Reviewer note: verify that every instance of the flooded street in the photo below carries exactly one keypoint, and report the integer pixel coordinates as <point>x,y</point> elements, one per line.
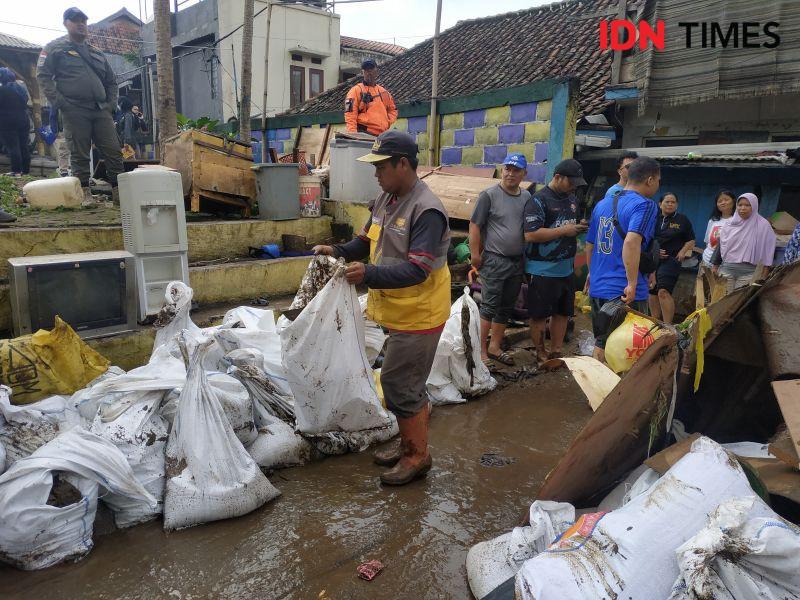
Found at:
<point>333,515</point>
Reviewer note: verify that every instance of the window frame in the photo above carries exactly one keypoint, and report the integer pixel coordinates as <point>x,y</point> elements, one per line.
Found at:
<point>302,71</point>
<point>321,74</point>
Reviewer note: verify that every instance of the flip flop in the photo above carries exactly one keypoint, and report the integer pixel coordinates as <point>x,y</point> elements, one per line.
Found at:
<point>503,358</point>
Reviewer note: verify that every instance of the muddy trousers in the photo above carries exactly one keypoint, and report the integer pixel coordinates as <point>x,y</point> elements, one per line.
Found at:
<point>82,127</point>
<point>406,366</point>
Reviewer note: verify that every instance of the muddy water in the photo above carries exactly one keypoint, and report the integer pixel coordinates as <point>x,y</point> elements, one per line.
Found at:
<point>333,515</point>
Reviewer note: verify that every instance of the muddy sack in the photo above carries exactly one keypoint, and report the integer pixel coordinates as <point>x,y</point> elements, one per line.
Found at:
<point>626,344</point>
<point>24,429</point>
<point>48,501</point>
<point>174,315</point>
<point>210,476</point>
<point>458,370</point>
<point>492,563</point>
<point>47,363</point>
<point>374,338</point>
<point>630,552</point>
<point>140,433</point>
<point>326,363</point>
<point>738,555</point>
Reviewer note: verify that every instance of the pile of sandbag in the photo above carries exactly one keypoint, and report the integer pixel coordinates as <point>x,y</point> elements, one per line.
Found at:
<point>699,531</point>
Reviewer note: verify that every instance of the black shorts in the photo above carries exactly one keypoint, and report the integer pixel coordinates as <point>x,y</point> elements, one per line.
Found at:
<point>667,275</point>
<point>548,296</point>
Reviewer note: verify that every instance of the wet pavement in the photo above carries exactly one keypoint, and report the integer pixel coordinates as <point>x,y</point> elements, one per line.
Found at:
<point>333,515</point>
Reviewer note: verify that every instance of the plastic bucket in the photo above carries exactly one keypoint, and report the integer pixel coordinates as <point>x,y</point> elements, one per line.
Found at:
<point>310,196</point>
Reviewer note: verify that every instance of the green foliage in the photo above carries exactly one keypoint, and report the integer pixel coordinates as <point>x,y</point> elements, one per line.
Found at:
<point>204,123</point>
<point>10,192</point>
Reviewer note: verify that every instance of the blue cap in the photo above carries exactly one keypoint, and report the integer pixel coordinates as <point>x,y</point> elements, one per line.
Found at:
<point>516,160</point>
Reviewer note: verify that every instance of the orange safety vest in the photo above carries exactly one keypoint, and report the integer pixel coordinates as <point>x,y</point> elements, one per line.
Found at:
<point>369,109</point>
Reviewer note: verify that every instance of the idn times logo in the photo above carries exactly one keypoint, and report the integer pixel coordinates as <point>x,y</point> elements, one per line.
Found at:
<point>621,34</point>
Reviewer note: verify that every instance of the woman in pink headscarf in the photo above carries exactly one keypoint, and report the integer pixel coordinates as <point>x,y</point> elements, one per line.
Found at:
<point>745,242</point>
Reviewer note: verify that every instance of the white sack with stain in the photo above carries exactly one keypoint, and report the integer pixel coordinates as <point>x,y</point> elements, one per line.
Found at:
<point>326,363</point>
<point>630,552</point>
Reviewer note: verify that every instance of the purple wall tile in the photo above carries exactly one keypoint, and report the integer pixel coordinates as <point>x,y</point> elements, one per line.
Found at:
<point>417,124</point>
<point>540,152</point>
<point>523,113</point>
<point>451,156</point>
<point>474,118</point>
<point>284,134</point>
<point>494,154</point>
<point>511,134</point>
<point>536,173</point>
<point>256,135</point>
<point>278,146</point>
<point>272,135</point>
<point>464,137</point>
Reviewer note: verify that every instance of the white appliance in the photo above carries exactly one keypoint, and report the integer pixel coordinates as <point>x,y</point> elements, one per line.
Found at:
<point>154,231</point>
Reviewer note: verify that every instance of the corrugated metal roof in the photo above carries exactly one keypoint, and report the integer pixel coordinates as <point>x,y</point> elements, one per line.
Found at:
<point>781,159</point>
<point>11,41</point>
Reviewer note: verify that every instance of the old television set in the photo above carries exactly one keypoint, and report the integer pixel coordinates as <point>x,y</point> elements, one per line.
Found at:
<point>95,292</point>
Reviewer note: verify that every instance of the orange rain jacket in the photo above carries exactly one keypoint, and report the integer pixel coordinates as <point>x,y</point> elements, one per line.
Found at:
<point>375,116</point>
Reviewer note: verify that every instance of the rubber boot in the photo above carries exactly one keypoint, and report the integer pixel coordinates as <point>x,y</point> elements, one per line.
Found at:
<point>388,457</point>
<point>416,460</point>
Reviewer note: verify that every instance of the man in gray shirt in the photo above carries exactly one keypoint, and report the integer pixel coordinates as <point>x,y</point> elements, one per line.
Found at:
<point>497,245</point>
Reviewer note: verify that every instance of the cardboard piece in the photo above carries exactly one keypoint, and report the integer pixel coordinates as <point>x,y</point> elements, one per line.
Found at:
<point>788,395</point>
<point>595,378</point>
<point>784,449</point>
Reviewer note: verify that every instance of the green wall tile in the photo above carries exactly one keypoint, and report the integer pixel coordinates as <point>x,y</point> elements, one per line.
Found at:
<point>485,136</point>
<point>537,131</point>
<point>543,109</point>
<point>453,121</point>
<point>447,137</point>
<point>401,124</point>
<point>471,155</point>
<point>498,115</point>
<point>525,149</point>
<point>422,140</point>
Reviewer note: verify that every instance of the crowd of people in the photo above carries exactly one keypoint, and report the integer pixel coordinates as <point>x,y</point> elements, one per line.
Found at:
<point>524,244</point>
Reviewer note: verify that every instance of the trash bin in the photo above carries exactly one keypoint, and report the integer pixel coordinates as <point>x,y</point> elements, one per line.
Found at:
<point>350,180</point>
<point>277,191</point>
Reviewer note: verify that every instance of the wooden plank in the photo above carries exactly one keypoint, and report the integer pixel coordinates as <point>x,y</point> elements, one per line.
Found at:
<point>787,393</point>
<point>663,461</point>
<point>779,478</point>
<point>312,142</point>
<point>459,193</point>
<point>784,449</point>
<point>616,438</point>
<point>423,172</point>
<point>699,293</point>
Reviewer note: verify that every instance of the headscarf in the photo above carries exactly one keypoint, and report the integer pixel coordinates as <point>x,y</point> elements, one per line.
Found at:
<point>9,78</point>
<point>750,240</point>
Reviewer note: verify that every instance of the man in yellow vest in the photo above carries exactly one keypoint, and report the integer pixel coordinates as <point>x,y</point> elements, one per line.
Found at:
<point>406,239</point>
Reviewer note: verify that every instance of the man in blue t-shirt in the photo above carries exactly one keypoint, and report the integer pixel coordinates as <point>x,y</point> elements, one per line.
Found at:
<point>625,159</point>
<point>613,261</point>
<point>551,226</point>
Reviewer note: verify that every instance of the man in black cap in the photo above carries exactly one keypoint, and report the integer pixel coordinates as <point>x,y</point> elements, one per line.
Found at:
<point>551,226</point>
<point>77,80</point>
<point>369,107</point>
<point>406,238</point>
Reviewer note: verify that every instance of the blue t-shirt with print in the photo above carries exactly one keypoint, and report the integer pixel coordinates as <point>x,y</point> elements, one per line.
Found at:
<point>607,279</point>
<point>548,209</point>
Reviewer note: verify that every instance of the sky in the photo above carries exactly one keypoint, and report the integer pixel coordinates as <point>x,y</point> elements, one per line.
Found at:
<point>402,22</point>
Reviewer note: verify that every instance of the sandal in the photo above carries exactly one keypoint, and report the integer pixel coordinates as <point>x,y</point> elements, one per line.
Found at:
<point>503,358</point>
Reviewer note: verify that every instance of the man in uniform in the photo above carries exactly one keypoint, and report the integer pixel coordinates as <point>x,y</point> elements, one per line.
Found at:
<point>78,81</point>
<point>406,238</point>
<point>369,107</point>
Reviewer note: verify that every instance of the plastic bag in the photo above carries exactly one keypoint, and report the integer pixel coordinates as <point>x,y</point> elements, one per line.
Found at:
<point>630,552</point>
<point>26,428</point>
<point>325,362</point>
<point>629,341</point>
<point>489,564</point>
<point>48,501</point>
<point>140,433</point>
<point>457,367</point>
<point>585,341</point>
<point>48,362</point>
<point>248,317</point>
<point>210,476</point>
<point>739,556</point>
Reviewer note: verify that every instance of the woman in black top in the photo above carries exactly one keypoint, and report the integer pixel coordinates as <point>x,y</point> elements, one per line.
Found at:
<point>675,236</point>
<point>14,124</point>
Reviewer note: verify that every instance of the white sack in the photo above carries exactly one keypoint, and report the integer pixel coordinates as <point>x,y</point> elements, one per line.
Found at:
<point>249,317</point>
<point>325,361</point>
<point>140,433</point>
<point>27,427</point>
<point>450,378</point>
<point>490,564</point>
<point>278,446</point>
<point>210,474</point>
<point>630,552</point>
<point>374,338</point>
<point>637,482</point>
<point>739,555</point>
<point>267,343</point>
<point>247,366</point>
<point>341,442</point>
<point>174,316</point>
<point>34,534</point>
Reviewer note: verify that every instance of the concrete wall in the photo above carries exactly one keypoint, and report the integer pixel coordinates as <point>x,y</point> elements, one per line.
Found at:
<point>715,122</point>
<point>293,29</point>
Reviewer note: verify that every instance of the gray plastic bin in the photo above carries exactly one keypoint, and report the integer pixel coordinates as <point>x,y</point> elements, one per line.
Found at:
<point>277,191</point>
<point>350,180</point>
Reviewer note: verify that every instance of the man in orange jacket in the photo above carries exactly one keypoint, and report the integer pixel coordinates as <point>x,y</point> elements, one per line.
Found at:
<point>369,107</point>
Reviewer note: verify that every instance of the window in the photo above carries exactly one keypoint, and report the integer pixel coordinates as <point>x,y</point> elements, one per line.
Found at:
<point>297,89</point>
<point>316,82</point>
<point>316,61</point>
<point>297,57</point>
